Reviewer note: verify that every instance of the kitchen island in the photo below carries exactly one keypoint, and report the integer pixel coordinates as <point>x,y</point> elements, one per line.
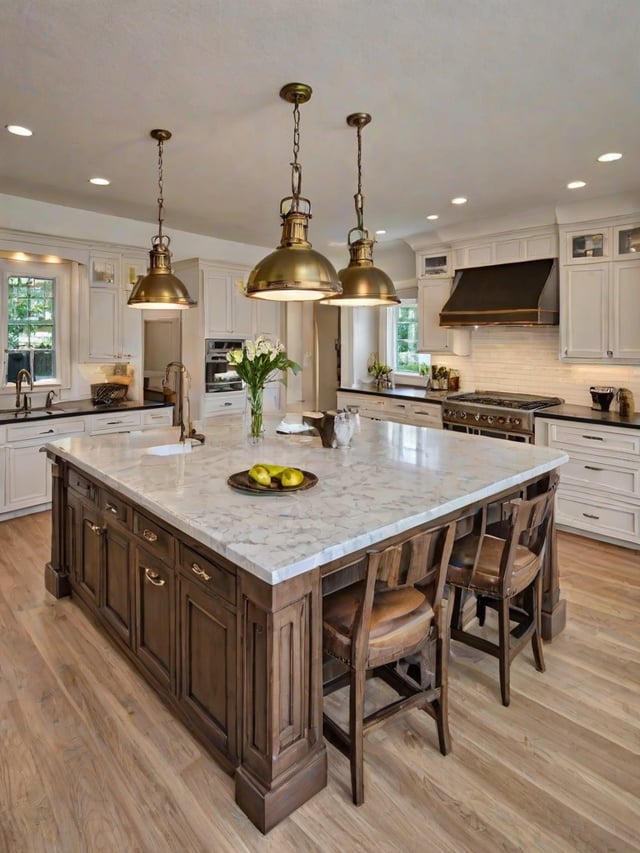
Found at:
<point>215,595</point>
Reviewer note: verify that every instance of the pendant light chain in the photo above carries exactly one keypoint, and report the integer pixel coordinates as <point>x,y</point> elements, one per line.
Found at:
<point>359,198</point>
<point>296,168</point>
<point>160,192</point>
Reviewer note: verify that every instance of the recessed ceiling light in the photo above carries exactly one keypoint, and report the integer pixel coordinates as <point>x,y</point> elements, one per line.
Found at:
<point>18,130</point>
<point>381,231</point>
<point>100,182</point>
<point>576,185</point>
<point>610,157</point>
<point>433,216</point>
<point>459,200</point>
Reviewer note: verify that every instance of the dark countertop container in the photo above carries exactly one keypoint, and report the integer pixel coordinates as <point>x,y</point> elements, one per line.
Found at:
<point>400,391</point>
<point>72,408</point>
<point>568,412</point>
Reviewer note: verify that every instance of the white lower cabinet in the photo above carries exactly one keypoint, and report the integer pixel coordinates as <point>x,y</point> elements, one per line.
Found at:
<point>224,404</point>
<point>27,475</point>
<point>599,492</point>
<point>115,421</point>
<point>401,410</point>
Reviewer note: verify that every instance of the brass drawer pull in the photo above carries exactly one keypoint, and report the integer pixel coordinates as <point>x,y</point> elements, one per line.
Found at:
<point>149,535</point>
<point>111,508</point>
<point>95,528</point>
<point>588,515</point>
<point>195,568</point>
<point>593,468</point>
<point>594,437</point>
<point>154,577</point>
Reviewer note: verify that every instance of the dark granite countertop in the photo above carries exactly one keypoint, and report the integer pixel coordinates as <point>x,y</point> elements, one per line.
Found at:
<point>72,408</point>
<point>568,412</point>
<point>410,392</point>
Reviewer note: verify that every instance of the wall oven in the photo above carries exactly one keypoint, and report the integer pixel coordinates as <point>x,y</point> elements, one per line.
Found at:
<point>219,374</point>
<point>495,413</point>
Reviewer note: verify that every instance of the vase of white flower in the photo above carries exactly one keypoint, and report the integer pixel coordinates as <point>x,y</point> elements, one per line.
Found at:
<point>257,363</point>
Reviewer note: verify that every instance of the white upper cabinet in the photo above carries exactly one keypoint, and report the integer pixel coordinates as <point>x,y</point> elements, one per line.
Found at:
<point>600,292</point>
<point>507,248</point>
<point>435,338</point>
<point>113,330</point>
<point>227,311</point>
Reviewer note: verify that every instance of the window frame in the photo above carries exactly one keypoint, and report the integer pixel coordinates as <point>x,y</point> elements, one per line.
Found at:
<point>388,340</point>
<point>61,272</point>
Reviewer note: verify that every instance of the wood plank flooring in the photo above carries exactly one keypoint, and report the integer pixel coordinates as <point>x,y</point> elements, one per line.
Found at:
<point>91,760</point>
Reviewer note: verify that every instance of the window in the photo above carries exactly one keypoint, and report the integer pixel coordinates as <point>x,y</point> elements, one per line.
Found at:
<point>34,320</point>
<point>401,331</point>
<point>31,325</point>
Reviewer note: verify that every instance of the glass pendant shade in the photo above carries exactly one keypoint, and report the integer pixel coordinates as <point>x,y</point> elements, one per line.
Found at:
<point>294,271</point>
<point>160,288</point>
<point>363,284</point>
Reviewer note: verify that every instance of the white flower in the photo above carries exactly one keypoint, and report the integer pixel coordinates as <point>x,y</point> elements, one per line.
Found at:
<point>235,356</point>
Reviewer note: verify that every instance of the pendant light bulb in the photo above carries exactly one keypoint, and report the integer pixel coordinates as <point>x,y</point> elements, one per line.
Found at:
<point>294,271</point>
<point>160,288</point>
<point>363,284</point>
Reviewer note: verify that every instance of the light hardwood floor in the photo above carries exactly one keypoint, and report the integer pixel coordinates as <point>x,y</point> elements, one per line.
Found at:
<point>91,760</point>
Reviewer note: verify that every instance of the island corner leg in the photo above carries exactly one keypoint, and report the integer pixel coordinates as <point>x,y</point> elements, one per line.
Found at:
<point>283,760</point>
<point>56,578</point>
<point>554,608</point>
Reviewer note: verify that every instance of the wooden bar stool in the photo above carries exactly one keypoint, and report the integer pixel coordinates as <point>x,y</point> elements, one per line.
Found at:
<point>391,625</point>
<point>504,571</point>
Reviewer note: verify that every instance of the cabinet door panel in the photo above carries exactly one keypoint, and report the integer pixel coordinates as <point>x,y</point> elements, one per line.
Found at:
<point>27,476</point>
<point>117,598</point>
<point>86,555</point>
<point>208,664</point>
<point>154,616</point>
<point>104,308</point>
<point>625,325</point>
<point>217,305</point>
<point>431,299</point>
<point>585,312</point>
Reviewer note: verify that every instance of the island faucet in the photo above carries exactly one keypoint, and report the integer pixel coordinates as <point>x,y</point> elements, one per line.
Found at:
<point>23,373</point>
<point>183,383</point>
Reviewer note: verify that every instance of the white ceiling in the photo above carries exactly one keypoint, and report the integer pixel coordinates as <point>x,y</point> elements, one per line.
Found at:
<point>502,101</point>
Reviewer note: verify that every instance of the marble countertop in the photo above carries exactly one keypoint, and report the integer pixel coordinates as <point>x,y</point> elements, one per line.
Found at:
<point>393,478</point>
<point>410,392</point>
<point>585,414</point>
<point>73,408</point>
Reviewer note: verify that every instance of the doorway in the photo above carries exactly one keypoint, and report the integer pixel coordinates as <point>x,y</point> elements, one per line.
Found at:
<point>162,344</point>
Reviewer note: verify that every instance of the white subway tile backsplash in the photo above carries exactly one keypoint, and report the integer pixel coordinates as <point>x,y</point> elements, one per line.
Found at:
<point>518,358</point>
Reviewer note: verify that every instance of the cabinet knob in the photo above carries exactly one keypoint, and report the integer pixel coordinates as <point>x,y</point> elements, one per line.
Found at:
<point>609,353</point>
<point>94,528</point>
<point>154,577</point>
<point>149,535</point>
<point>111,508</point>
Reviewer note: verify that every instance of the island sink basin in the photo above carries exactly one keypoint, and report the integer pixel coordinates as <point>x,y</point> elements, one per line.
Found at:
<point>169,449</point>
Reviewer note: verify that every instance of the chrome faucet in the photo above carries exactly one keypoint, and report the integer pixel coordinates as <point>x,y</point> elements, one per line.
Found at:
<point>50,395</point>
<point>23,373</point>
<point>182,379</point>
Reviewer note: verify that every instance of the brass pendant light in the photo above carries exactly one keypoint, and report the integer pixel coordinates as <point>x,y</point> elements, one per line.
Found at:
<point>295,271</point>
<point>363,284</point>
<point>160,288</point>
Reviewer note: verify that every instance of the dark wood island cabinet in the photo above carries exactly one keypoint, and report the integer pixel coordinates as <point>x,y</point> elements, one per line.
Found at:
<point>232,641</point>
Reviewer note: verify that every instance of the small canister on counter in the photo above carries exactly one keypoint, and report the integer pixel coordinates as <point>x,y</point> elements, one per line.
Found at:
<point>626,404</point>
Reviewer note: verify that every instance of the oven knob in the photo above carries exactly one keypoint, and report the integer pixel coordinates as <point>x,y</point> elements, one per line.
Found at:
<point>463,416</point>
<point>490,419</point>
<point>501,421</point>
<point>477,416</point>
<point>516,421</point>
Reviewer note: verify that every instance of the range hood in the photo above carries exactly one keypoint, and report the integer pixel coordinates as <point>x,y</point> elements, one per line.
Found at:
<point>520,294</point>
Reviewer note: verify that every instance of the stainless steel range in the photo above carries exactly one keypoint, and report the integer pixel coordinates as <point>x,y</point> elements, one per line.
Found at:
<point>495,413</point>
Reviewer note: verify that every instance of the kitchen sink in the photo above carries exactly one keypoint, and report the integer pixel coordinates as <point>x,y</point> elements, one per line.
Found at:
<point>169,449</point>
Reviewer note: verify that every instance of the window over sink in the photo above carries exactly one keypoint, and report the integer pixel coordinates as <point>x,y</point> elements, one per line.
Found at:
<point>34,330</point>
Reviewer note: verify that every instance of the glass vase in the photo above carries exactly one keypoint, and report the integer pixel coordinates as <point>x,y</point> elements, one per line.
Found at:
<point>254,414</point>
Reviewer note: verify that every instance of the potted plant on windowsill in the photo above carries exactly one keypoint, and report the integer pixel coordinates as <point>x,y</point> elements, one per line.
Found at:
<point>381,374</point>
